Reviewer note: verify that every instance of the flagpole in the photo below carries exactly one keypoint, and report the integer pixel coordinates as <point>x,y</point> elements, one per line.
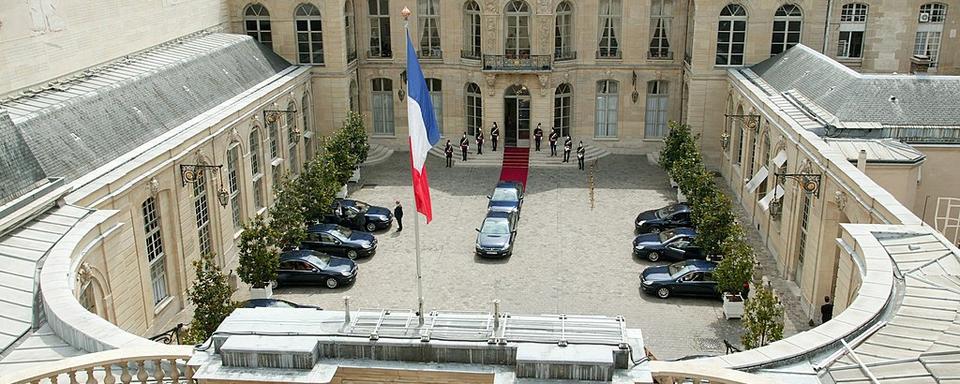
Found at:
<point>416,208</point>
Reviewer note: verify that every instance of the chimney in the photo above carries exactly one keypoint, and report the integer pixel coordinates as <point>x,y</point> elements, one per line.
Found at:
<point>919,64</point>
<point>862,161</point>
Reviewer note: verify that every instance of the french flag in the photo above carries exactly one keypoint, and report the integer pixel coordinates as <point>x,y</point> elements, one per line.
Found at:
<point>424,133</point>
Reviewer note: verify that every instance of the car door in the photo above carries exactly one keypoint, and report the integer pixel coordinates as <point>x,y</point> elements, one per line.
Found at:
<point>676,249</point>
<point>330,245</point>
<point>680,219</point>
<point>286,272</point>
<point>353,218</point>
<point>312,242</point>
<point>708,285</point>
<point>684,285</point>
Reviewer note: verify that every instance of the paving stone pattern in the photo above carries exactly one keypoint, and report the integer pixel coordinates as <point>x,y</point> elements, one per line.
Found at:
<point>569,258</point>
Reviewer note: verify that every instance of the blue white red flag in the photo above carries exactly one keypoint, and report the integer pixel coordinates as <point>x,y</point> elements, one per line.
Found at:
<point>424,133</point>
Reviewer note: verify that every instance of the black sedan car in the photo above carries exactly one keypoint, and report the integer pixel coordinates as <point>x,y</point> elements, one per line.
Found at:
<point>673,244</point>
<point>337,240</point>
<point>358,215</point>
<point>657,220</point>
<point>691,277</point>
<point>273,303</point>
<point>305,267</point>
<point>497,234</point>
<point>507,196</point>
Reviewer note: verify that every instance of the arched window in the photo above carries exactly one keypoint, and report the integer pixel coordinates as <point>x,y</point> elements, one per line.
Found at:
<point>256,169</point>
<point>273,138</point>
<point>688,47</point>
<point>731,35</point>
<point>348,30</point>
<point>474,107</point>
<point>201,210</point>
<point>383,107</point>
<point>379,18</point>
<point>608,102</point>
<point>256,23</point>
<point>293,138</point>
<point>661,15</point>
<point>354,96</point>
<point>429,24</point>
<point>753,151</point>
<point>740,135</point>
<point>156,257</point>
<point>656,114</point>
<point>609,46</point>
<point>233,183</point>
<point>435,87</point>
<point>517,42</point>
<point>471,30</point>
<point>929,31</point>
<point>563,108</point>
<point>764,159</point>
<point>787,26</point>
<point>563,32</point>
<point>853,23</point>
<point>309,28</point>
<point>308,132</point>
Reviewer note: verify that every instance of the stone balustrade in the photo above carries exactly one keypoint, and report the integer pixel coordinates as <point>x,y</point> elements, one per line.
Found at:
<point>679,372</point>
<point>159,364</point>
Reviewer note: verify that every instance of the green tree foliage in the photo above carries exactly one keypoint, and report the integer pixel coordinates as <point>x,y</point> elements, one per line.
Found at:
<point>317,187</point>
<point>287,215</point>
<point>736,268</point>
<point>714,220</point>
<point>762,319</point>
<point>259,256</point>
<point>356,134</point>
<point>336,154</point>
<point>211,295</point>
<point>679,143</point>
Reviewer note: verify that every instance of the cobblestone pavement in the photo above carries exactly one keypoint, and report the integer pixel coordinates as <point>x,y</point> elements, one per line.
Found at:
<point>569,258</point>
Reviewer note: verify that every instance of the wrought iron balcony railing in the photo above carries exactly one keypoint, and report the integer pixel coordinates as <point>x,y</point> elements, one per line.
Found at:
<point>470,54</point>
<point>564,55</point>
<point>430,54</point>
<point>525,63</point>
<point>609,53</point>
<point>377,53</point>
<point>659,54</point>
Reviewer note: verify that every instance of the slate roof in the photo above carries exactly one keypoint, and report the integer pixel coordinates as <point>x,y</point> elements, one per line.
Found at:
<point>854,97</point>
<point>70,128</point>
<point>878,151</point>
<point>20,252</point>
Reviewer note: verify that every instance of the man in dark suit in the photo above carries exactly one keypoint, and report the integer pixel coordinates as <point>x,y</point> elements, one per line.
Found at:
<point>554,136</point>
<point>398,213</point>
<point>448,151</point>
<point>567,147</point>
<point>826,310</point>
<point>495,135</point>
<point>464,145</point>
<point>538,136</point>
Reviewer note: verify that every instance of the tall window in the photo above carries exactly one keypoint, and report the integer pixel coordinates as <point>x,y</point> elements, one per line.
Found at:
<point>202,212</point>
<point>471,30</point>
<point>233,182</point>
<point>802,246</point>
<point>354,96</point>
<point>661,15</point>
<point>256,23</point>
<point>435,87</point>
<point>309,34</point>
<point>517,42</point>
<point>609,46</point>
<point>764,161</point>
<point>929,31</point>
<point>688,46</point>
<point>563,33</point>
<point>256,169</point>
<point>562,108</point>
<point>656,114</point>
<point>741,136</point>
<point>787,25</point>
<point>293,138</point>
<point>429,25</point>
<point>273,130</point>
<point>731,35</point>
<point>307,127</point>
<point>853,23</point>
<point>155,255</point>
<point>608,101</point>
<point>474,108</point>
<point>380,28</point>
<point>383,107</point>
<point>348,30</point>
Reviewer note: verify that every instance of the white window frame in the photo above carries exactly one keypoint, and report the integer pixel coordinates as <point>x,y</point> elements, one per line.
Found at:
<point>661,20</point>
<point>517,24</point>
<point>930,31</point>
<point>308,27</point>
<point>853,22</point>
<point>563,32</point>
<point>563,108</point>
<point>428,23</point>
<point>201,209</point>
<point>727,55</point>
<point>609,42</point>
<point>233,183</point>
<point>435,86</point>
<point>655,117</point>
<point>787,16</point>
<point>156,257</point>
<point>293,139</point>
<point>259,16</point>
<point>474,108</point>
<point>256,169</point>
<point>349,22</point>
<point>608,109</point>
<point>472,30</point>
<point>382,106</point>
<point>379,18</point>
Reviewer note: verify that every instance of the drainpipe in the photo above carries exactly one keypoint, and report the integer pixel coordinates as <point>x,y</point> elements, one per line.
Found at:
<point>826,27</point>
<point>862,161</point>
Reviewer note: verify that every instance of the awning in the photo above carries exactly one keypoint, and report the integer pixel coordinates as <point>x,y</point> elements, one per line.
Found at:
<point>775,193</point>
<point>758,178</point>
<point>781,158</point>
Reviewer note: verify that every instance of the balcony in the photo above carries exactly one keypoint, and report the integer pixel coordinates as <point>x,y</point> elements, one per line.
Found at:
<point>564,55</point>
<point>517,63</point>
<point>378,53</point>
<point>470,54</point>
<point>430,54</point>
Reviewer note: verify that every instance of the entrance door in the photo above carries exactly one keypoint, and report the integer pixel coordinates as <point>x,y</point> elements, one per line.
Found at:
<point>516,119</point>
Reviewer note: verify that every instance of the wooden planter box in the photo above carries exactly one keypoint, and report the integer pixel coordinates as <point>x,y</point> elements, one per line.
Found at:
<point>732,305</point>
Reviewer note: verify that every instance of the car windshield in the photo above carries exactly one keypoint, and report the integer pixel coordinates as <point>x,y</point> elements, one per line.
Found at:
<point>321,261</point>
<point>363,207</point>
<point>668,210</point>
<point>495,226</point>
<point>504,194</point>
<point>667,235</point>
<point>275,304</point>
<point>676,269</point>
<point>342,232</point>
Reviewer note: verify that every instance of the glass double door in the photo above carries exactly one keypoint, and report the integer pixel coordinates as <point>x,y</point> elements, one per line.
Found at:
<point>516,132</point>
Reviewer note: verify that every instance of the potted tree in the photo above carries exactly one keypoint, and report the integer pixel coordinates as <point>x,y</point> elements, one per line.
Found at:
<point>734,272</point>
<point>763,319</point>
<point>287,222</point>
<point>211,294</point>
<point>259,258</point>
<point>356,137</point>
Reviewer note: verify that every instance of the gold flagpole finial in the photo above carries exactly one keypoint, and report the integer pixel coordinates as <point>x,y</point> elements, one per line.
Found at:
<point>405,13</point>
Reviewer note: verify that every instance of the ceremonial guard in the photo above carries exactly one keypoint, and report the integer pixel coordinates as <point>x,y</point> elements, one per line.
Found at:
<point>538,136</point>
<point>554,136</point>
<point>567,147</point>
<point>581,153</point>
<point>479,141</point>
<point>495,135</point>
<point>464,145</point>
<point>448,151</point>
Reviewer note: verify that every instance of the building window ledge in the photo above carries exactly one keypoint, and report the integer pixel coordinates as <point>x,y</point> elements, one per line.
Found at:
<point>162,305</point>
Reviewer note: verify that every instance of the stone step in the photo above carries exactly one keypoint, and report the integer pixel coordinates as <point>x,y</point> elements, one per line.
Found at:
<point>377,154</point>
<point>537,159</point>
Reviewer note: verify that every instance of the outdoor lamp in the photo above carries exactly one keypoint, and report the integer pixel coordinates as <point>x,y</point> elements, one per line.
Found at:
<point>724,140</point>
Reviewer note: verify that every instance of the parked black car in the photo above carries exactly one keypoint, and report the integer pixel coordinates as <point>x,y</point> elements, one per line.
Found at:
<point>690,277</point>
<point>673,244</point>
<point>497,234</point>
<point>337,240</point>
<point>308,267</point>
<point>358,215</point>
<point>657,220</point>
<point>507,196</point>
<point>273,303</point>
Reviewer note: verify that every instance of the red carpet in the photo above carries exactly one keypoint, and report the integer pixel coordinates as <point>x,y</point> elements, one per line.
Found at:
<point>516,163</point>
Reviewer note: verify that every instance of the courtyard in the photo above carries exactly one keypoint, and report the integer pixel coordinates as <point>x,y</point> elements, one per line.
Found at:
<point>569,258</point>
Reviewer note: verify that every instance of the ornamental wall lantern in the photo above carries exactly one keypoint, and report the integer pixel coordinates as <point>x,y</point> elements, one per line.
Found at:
<point>403,80</point>
<point>193,173</point>
<point>750,121</point>
<point>724,140</point>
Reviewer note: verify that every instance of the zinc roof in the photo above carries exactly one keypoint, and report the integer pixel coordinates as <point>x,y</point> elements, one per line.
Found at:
<point>879,151</point>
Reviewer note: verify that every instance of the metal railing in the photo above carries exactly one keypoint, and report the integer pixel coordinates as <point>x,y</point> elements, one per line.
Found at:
<point>609,53</point>
<point>171,336</point>
<point>470,54</point>
<point>532,63</point>
<point>377,53</point>
<point>659,54</point>
<point>565,55</point>
<point>430,54</point>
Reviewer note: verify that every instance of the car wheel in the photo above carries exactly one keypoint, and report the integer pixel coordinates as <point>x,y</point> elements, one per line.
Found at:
<point>663,293</point>
<point>274,284</point>
<point>654,229</point>
<point>371,227</point>
<point>332,283</point>
<point>653,256</point>
<point>352,255</point>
